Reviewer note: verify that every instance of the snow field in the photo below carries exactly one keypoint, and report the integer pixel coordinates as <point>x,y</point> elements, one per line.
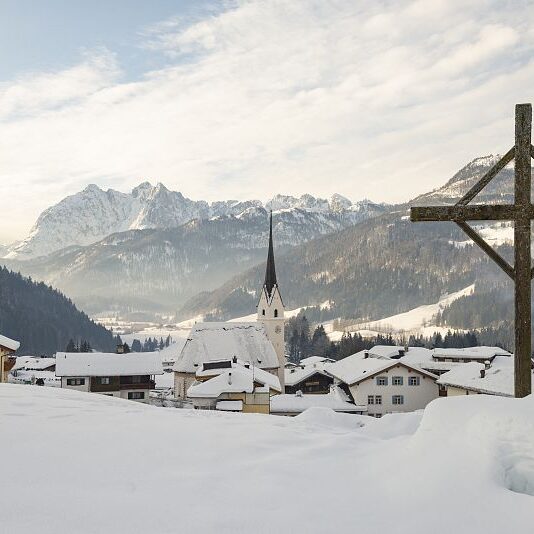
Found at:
<point>86,463</point>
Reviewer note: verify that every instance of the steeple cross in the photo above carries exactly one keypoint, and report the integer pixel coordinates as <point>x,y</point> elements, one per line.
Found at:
<point>521,212</point>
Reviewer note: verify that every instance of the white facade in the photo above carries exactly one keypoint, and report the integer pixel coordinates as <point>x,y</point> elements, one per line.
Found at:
<point>271,314</point>
<point>82,383</point>
<point>395,389</point>
<point>78,383</point>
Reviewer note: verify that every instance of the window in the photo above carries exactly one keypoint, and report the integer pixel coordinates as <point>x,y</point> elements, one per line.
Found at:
<point>263,312</point>
<point>137,379</point>
<point>135,395</point>
<point>276,313</point>
<point>104,380</point>
<point>75,381</point>
<point>397,381</point>
<point>378,415</point>
<point>414,381</point>
<point>397,399</point>
<point>381,380</point>
<point>370,399</point>
<point>378,399</point>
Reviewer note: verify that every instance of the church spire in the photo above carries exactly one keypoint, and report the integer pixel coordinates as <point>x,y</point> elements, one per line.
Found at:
<point>270,271</point>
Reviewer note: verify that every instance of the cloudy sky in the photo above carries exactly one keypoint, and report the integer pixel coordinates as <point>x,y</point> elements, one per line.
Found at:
<point>245,99</point>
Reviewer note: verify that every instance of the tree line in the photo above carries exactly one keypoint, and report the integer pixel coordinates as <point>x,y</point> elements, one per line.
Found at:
<point>302,342</point>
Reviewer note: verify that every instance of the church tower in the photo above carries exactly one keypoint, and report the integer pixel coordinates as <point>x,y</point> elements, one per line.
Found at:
<point>271,308</point>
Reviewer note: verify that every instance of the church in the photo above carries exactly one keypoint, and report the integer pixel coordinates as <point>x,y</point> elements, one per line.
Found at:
<point>260,344</point>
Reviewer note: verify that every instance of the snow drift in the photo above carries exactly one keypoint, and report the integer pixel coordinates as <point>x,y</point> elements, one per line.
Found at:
<point>85,463</point>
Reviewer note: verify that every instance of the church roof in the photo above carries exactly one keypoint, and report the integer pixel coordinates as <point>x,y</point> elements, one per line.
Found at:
<point>208,342</point>
<point>270,271</point>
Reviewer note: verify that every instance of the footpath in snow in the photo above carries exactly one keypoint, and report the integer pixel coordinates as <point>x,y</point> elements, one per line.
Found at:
<point>84,463</point>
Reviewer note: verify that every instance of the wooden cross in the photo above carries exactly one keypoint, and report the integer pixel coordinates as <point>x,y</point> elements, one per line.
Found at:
<point>520,212</point>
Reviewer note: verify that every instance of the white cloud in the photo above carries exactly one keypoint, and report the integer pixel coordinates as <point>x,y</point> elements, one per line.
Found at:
<point>378,99</point>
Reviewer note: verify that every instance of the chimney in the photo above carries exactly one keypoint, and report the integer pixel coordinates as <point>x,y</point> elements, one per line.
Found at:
<point>120,349</point>
<point>487,364</point>
<point>229,379</point>
<point>366,354</point>
<point>234,359</point>
<point>482,373</point>
<point>401,353</point>
<point>406,348</point>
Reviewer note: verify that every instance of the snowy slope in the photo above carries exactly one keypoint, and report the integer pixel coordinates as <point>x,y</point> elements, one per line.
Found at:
<point>420,320</point>
<point>499,190</point>
<point>88,463</point>
<point>93,214</point>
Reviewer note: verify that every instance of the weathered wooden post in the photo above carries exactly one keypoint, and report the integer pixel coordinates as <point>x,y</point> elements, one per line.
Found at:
<point>521,212</point>
<point>522,261</point>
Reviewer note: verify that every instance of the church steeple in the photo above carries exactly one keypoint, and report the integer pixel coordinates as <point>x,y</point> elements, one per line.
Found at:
<point>270,271</point>
<point>271,308</point>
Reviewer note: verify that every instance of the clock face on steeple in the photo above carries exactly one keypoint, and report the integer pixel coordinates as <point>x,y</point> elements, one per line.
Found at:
<point>278,329</point>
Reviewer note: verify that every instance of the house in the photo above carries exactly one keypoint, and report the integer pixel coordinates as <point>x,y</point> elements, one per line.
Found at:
<point>7,347</point>
<point>260,343</point>
<point>439,361</point>
<point>309,376</point>
<point>33,369</point>
<point>489,378</point>
<point>294,404</point>
<point>384,385</point>
<point>424,359</point>
<point>129,376</point>
<point>233,385</point>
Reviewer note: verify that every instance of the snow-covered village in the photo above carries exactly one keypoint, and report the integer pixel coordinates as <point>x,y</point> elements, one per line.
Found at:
<point>207,326</point>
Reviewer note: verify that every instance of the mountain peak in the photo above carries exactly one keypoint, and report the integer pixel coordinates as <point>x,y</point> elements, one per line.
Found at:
<point>485,161</point>
<point>92,188</point>
<point>142,189</point>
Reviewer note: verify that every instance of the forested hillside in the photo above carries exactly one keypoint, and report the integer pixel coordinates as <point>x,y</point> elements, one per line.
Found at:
<point>43,319</point>
<point>375,269</point>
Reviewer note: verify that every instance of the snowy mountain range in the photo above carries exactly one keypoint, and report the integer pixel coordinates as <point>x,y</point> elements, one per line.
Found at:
<point>156,251</point>
<point>93,214</point>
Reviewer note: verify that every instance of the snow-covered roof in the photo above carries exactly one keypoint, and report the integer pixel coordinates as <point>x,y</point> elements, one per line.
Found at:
<point>260,376</point>
<point>108,364</point>
<point>219,341</point>
<point>314,359</point>
<point>357,367</point>
<point>473,353</point>
<point>386,351</point>
<point>33,363</point>
<point>298,403</point>
<point>8,343</point>
<point>417,356</point>
<point>497,380</point>
<point>170,354</point>
<point>352,368</point>
<point>237,379</point>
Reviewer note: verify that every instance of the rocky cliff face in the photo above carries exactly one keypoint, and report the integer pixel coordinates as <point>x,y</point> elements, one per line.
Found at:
<point>93,214</point>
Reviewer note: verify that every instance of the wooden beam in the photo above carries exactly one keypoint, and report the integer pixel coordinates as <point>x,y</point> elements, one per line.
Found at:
<point>487,178</point>
<point>502,212</point>
<point>522,259</point>
<point>488,249</point>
